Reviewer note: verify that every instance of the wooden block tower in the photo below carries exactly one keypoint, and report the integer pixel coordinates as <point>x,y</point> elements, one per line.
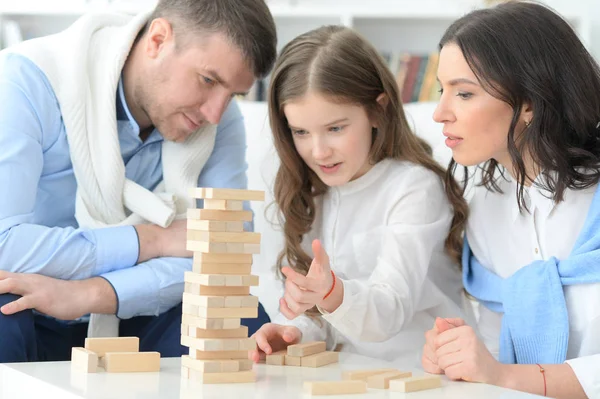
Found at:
<point>217,290</point>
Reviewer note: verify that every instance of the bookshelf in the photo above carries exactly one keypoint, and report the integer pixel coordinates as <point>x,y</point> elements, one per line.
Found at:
<point>393,26</point>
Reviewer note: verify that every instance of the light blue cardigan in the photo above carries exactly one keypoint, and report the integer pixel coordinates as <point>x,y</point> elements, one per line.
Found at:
<point>535,326</point>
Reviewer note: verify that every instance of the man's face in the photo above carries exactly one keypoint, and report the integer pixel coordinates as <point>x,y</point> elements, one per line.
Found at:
<point>191,85</point>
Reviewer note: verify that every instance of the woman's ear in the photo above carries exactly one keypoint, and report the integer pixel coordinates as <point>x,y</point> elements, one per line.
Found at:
<point>527,114</point>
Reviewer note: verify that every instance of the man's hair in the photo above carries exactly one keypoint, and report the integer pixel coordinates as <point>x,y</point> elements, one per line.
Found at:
<point>248,24</point>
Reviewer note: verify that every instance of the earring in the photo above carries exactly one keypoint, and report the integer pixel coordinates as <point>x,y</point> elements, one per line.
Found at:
<point>527,123</point>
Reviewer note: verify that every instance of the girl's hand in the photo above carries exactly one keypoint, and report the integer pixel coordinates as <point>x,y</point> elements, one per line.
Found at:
<point>304,292</point>
<point>462,355</point>
<point>272,338</point>
<point>429,359</point>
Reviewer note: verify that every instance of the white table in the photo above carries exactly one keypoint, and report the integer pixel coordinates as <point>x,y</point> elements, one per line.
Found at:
<point>56,380</point>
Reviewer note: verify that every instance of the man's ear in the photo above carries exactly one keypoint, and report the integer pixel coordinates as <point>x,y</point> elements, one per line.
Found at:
<point>159,34</point>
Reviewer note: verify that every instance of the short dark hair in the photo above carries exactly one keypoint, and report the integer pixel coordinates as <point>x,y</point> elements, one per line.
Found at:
<point>248,24</point>
<point>525,53</point>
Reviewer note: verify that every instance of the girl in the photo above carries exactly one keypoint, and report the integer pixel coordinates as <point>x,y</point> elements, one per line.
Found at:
<point>362,190</point>
<point>521,98</point>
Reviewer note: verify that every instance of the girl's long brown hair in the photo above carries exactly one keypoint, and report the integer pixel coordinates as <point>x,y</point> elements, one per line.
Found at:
<point>338,63</point>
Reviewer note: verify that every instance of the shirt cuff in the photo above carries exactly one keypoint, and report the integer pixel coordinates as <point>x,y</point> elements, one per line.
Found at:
<point>339,314</point>
<point>116,248</point>
<point>137,291</point>
<point>587,371</point>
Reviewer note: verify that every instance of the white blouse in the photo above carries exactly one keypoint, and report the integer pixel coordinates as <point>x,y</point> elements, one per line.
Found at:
<point>384,233</point>
<point>505,240</point>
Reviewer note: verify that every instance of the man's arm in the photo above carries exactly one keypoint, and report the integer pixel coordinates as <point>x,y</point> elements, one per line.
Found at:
<point>154,287</point>
<point>31,139</point>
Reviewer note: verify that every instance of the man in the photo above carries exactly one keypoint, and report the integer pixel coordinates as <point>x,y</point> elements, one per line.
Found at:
<point>93,120</point>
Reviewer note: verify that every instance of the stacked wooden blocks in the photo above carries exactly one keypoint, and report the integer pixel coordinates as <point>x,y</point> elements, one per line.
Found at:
<point>116,355</point>
<point>310,354</point>
<point>217,290</point>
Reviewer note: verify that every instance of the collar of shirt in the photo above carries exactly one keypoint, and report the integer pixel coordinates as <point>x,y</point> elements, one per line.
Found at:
<point>536,197</point>
<point>124,115</point>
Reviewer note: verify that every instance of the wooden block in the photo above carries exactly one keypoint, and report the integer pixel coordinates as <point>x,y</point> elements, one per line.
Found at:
<point>228,313</point>
<point>210,324</point>
<point>363,374</point>
<point>211,280</point>
<point>222,216</point>
<point>382,381</point>
<point>84,360</point>
<point>224,205</point>
<point>276,358</point>
<point>210,366</point>
<point>335,387</point>
<point>224,268</point>
<point>320,359</point>
<point>117,344</point>
<point>222,247</point>
<point>132,362</point>
<point>214,225</point>
<point>306,349</point>
<point>195,332</point>
<point>210,236</point>
<point>219,344</point>
<point>293,360</point>
<point>227,194</point>
<point>197,289</point>
<point>414,384</point>
<point>248,301</point>
<point>245,364</point>
<point>204,301</point>
<point>218,355</point>
<point>223,258</point>
<point>229,378</point>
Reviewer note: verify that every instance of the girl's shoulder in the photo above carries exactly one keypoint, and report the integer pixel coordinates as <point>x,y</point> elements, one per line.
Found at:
<point>407,174</point>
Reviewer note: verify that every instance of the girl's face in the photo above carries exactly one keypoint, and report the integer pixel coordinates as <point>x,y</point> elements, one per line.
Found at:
<point>476,124</point>
<point>333,139</point>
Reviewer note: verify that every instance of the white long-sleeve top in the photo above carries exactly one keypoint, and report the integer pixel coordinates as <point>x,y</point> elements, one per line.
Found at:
<point>384,233</point>
<point>505,240</point>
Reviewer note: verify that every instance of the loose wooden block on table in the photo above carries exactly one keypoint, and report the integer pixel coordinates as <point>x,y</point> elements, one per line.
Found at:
<point>210,324</point>
<point>276,358</point>
<point>308,348</point>
<point>219,344</point>
<point>229,378</point>
<point>195,332</point>
<point>335,387</point>
<point>132,362</point>
<point>216,290</point>
<point>117,344</point>
<point>200,257</point>
<point>320,359</point>
<point>363,374</point>
<point>215,225</point>
<point>223,268</point>
<point>222,216</point>
<point>227,194</point>
<point>218,355</point>
<point>224,205</point>
<point>414,384</point>
<point>292,360</point>
<point>84,360</point>
<point>223,237</point>
<point>382,381</point>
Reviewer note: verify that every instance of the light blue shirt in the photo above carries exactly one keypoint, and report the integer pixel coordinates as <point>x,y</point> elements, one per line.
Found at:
<point>38,230</point>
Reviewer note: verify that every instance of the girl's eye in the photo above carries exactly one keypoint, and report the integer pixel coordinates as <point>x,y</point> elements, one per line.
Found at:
<point>336,128</point>
<point>299,132</point>
<point>464,95</point>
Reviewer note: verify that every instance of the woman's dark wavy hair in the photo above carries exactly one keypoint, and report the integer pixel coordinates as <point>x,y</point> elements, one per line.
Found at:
<point>525,53</point>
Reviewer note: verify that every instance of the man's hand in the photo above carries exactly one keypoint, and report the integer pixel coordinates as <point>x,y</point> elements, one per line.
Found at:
<point>156,242</point>
<point>61,299</point>
<point>304,292</point>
